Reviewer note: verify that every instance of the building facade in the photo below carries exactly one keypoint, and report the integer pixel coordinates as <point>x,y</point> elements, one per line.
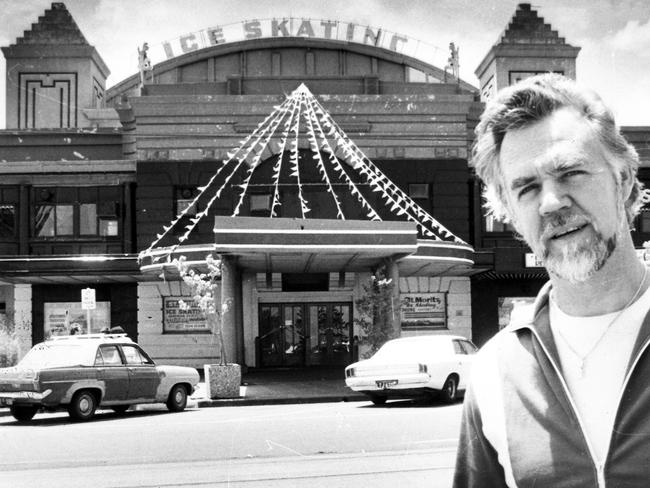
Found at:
<point>306,162</point>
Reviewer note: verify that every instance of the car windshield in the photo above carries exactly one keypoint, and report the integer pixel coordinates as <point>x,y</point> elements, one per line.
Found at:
<point>57,355</point>
<point>411,349</point>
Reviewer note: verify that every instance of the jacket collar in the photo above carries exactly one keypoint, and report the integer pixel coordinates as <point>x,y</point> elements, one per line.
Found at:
<point>535,317</point>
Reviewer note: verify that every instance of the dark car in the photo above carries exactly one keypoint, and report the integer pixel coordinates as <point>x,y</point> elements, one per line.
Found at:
<point>83,372</point>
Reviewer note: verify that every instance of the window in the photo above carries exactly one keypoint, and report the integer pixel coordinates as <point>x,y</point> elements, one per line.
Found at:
<point>7,220</point>
<point>88,219</point>
<point>185,196</point>
<point>108,356</point>
<point>108,227</point>
<point>54,220</point>
<point>493,225</point>
<point>9,198</point>
<point>468,347</point>
<point>419,190</point>
<point>133,355</point>
<point>260,203</point>
<point>76,212</point>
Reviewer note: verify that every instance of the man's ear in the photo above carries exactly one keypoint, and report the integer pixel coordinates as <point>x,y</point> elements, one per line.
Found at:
<point>627,183</point>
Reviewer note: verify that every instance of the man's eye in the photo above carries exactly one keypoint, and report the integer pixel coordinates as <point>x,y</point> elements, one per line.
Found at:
<point>574,172</point>
<point>526,189</point>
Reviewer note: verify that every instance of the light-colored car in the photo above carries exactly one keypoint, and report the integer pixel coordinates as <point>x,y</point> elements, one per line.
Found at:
<point>83,372</point>
<point>412,367</point>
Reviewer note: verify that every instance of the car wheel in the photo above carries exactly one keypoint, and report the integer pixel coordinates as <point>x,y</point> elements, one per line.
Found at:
<point>23,413</point>
<point>378,399</point>
<point>83,405</point>
<point>120,408</point>
<point>449,393</point>
<point>177,400</point>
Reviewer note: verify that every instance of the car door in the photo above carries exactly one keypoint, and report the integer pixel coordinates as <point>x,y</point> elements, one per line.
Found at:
<point>112,371</point>
<point>143,376</point>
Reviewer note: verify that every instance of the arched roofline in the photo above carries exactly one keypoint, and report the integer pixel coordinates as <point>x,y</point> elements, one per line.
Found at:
<point>282,42</point>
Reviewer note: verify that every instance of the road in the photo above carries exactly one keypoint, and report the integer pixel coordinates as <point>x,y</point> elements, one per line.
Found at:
<point>313,445</point>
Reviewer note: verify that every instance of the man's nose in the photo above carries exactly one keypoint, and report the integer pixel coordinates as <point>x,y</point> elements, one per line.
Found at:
<point>553,198</point>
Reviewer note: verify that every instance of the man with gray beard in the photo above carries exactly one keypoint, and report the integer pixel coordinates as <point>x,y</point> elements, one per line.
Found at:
<point>560,396</point>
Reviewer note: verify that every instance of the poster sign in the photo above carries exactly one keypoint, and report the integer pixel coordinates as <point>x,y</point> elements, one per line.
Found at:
<point>65,318</point>
<point>423,310</point>
<point>88,299</point>
<point>178,320</point>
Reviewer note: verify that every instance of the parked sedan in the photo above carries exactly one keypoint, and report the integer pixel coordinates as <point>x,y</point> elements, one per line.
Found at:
<point>83,372</point>
<point>413,367</point>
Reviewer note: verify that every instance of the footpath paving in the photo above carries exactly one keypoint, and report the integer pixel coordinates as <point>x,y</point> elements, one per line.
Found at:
<point>285,386</point>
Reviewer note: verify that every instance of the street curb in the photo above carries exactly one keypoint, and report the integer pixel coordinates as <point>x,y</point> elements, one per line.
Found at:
<point>231,402</point>
<point>243,401</point>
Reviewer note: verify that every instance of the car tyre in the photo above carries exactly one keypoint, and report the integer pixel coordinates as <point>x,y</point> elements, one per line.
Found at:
<point>378,399</point>
<point>449,392</point>
<point>83,405</point>
<point>177,400</point>
<point>23,413</point>
<point>120,408</point>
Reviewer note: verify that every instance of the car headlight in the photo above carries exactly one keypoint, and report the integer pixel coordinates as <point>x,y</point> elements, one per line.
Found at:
<point>349,373</point>
<point>423,368</point>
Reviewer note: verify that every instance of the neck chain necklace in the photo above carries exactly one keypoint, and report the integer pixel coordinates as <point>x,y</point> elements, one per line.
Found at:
<point>582,358</point>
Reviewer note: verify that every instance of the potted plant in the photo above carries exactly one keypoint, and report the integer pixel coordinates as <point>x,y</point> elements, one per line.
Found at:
<point>222,380</point>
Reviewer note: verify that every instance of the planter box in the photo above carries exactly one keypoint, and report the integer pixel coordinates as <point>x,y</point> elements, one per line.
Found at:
<point>222,380</point>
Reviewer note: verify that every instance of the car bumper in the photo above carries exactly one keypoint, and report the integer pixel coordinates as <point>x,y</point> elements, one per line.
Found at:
<point>9,398</point>
<point>383,383</point>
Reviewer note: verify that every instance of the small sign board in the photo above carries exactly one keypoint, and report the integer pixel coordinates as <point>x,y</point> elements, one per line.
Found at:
<point>532,261</point>
<point>88,299</point>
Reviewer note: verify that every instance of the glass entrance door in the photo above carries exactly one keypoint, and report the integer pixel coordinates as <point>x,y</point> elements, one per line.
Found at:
<point>305,334</point>
<point>330,334</point>
<point>282,332</point>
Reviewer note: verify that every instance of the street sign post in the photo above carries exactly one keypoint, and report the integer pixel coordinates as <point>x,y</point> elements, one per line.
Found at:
<point>88,303</point>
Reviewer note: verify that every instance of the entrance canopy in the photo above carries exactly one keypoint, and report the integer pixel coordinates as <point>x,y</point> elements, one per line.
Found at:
<point>374,218</point>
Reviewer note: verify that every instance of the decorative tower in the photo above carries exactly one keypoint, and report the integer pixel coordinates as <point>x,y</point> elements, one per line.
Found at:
<point>53,74</point>
<point>527,47</point>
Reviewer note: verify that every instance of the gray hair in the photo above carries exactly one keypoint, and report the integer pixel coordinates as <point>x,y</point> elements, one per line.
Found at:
<point>530,101</point>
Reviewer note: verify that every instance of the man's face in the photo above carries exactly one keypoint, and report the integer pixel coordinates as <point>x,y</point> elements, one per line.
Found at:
<point>562,194</point>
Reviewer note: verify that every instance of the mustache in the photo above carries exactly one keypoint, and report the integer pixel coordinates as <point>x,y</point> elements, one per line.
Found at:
<point>561,220</point>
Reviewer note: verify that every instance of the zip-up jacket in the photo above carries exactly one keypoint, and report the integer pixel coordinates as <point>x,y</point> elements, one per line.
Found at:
<point>520,427</point>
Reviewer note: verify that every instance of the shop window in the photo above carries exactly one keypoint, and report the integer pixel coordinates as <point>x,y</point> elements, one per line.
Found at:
<point>419,190</point>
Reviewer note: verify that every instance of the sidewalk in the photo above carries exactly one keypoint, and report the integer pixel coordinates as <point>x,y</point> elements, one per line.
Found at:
<point>274,387</point>
<point>285,386</point>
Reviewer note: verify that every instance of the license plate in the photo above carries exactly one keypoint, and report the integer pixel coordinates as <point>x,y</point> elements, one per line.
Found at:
<point>385,383</point>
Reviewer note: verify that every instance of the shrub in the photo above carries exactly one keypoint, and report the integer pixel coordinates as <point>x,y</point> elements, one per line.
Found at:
<point>377,307</point>
<point>9,345</point>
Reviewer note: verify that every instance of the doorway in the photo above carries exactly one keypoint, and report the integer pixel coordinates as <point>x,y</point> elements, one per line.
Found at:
<point>305,334</point>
